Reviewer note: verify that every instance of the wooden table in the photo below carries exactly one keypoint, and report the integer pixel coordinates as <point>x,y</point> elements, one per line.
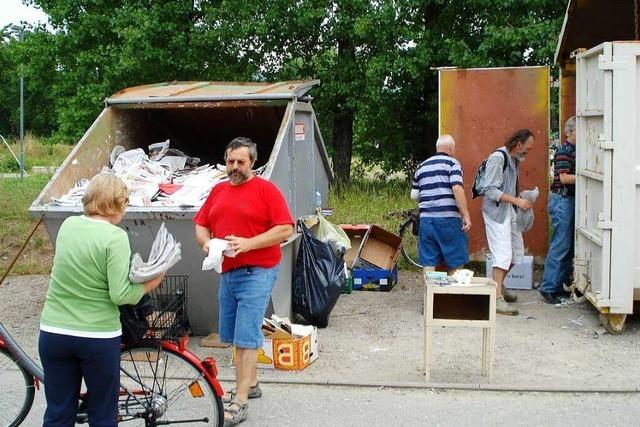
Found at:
<point>471,305</point>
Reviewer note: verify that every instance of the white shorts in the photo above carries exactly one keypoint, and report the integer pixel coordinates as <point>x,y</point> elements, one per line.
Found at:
<point>505,242</point>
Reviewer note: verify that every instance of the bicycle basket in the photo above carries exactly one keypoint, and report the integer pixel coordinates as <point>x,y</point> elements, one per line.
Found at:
<point>168,320</point>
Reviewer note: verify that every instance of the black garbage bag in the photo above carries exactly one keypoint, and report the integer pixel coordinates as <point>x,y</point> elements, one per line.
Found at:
<point>319,279</point>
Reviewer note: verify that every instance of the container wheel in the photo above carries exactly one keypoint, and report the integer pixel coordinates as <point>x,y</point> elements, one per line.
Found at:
<point>613,323</point>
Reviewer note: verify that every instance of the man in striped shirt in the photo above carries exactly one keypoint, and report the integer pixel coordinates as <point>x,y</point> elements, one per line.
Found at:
<point>444,217</point>
<point>558,266</point>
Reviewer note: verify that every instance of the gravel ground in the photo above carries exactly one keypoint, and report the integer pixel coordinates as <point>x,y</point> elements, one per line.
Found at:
<point>376,338</point>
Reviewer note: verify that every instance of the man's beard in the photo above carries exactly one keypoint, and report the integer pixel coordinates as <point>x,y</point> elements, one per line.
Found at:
<point>521,157</point>
<point>236,177</point>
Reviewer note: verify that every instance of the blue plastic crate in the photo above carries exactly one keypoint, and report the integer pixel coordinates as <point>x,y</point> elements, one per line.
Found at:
<point>374,279</point>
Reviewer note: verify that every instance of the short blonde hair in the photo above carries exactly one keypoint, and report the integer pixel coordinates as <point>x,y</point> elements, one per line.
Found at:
<point>105,195</point>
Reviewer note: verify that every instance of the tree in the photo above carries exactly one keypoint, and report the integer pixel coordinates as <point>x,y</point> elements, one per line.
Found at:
<point>34,57</point>
<point>104,46</point>
<point>378,97</point>
<point>434,33</point>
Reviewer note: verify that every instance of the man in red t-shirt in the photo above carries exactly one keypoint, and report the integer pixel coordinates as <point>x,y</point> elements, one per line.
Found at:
<point>252,215</point>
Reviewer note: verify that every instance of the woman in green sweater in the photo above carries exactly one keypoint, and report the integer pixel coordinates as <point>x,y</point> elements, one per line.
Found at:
<point>80,326</point>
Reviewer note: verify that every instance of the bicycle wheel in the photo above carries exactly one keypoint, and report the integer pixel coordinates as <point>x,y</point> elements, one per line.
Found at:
<point>408,240</point>
<point>17,389</point>
<point>162,387</point>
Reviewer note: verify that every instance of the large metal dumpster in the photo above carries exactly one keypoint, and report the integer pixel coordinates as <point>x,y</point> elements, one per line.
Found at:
<point>607,258</point>
<point>200,118</point>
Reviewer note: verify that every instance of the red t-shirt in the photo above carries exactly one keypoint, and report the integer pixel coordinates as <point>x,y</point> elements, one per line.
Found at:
<point>245,210</point>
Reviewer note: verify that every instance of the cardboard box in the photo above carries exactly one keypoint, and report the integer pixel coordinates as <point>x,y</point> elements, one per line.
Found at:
<point>288,353</point>
<point>282,349</point>
<point>379,248</point>
<point>356,233</point>
<point>374,279</point>
<point>520,276</point>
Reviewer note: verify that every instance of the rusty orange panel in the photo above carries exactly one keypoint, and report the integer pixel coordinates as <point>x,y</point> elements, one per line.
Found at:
<point>567,94</point>
<point>481,108</point>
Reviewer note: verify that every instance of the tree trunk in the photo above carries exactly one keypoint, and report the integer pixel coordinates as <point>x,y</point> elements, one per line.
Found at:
<point>344,114</point>
<point>430,15</point>
<point>343,145</point>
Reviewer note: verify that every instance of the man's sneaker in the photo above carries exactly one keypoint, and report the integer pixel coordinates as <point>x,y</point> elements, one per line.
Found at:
<point>509,296</point>
<point>502,307</point>
<point>550,297</point>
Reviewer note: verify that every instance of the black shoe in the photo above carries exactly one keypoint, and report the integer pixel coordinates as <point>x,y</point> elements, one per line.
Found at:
<point>509,296</point>
<point>550,297</point>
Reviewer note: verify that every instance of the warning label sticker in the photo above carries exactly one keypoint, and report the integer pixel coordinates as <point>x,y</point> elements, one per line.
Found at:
<point>299,131</point>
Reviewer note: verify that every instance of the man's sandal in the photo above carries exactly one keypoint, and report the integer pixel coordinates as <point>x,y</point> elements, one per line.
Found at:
<point>238,412</point>
<point>254,393</point>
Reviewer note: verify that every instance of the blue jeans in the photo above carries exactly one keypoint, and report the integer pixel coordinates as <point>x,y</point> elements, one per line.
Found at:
<point>66,361</point>
<point>442,240</point>
<point>243,297</point>
<point>558,266</point>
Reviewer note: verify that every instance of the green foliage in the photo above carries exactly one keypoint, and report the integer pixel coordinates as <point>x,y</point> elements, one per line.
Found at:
<point>36,153</point>
<point>34,57</point>
<point>374,59</point>
<point>8,164</point>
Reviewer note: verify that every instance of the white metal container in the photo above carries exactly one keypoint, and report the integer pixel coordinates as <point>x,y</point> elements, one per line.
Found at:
<point>607,259</point>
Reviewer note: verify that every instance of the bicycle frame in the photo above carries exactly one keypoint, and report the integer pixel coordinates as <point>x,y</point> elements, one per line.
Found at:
<point>208,365</point>
<point>24,360</point>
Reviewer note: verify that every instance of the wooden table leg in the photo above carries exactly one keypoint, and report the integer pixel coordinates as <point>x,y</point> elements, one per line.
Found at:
<point>491,344</point>
<point>485,355</point>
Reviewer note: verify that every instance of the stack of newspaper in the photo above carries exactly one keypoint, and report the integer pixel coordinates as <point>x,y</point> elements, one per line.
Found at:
<point>165,253</point>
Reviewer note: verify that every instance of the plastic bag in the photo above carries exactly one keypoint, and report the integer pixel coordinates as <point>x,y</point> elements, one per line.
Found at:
<point>524,219</point>
<point>319,279</point>
<point>332,234</point>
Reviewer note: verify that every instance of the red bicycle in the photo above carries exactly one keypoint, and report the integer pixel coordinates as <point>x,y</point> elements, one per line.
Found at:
<point>161,381</point>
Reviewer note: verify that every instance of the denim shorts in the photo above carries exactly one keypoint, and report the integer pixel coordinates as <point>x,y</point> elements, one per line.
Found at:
<point>442,240</point>
<point>243,298</point>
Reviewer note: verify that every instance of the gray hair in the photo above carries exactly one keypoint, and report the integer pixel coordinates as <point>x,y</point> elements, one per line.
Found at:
<point>570,125</point>
<point>240,142</point>
<point>445,141</point>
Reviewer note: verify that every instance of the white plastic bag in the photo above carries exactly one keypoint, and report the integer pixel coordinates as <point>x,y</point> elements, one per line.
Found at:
<point>332,234</point>
<point>524,219</point>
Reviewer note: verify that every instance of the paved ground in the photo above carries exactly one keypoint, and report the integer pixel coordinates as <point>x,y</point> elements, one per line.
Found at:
<point>323,406</point>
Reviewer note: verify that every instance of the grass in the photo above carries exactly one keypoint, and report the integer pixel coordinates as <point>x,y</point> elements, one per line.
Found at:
<point>16,196</point>
<point>375,202</point>
<point>35,154</point>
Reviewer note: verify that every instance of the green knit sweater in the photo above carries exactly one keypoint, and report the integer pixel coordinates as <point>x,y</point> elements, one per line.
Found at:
<point>90,277</point>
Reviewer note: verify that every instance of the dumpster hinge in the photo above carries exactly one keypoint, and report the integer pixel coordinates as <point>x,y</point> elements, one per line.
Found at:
<point>604,221</point>
<point>606,63</point>
<point>604,144</point>
<point>611,302</point>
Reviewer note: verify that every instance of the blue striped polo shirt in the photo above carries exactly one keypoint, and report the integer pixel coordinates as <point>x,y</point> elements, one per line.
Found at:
<point>435,179</point>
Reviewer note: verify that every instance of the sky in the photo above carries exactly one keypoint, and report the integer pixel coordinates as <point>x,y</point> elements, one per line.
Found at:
<point>14,12</point>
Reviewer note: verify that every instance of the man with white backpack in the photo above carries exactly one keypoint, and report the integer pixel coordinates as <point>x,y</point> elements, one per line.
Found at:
<point>499,189</point>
